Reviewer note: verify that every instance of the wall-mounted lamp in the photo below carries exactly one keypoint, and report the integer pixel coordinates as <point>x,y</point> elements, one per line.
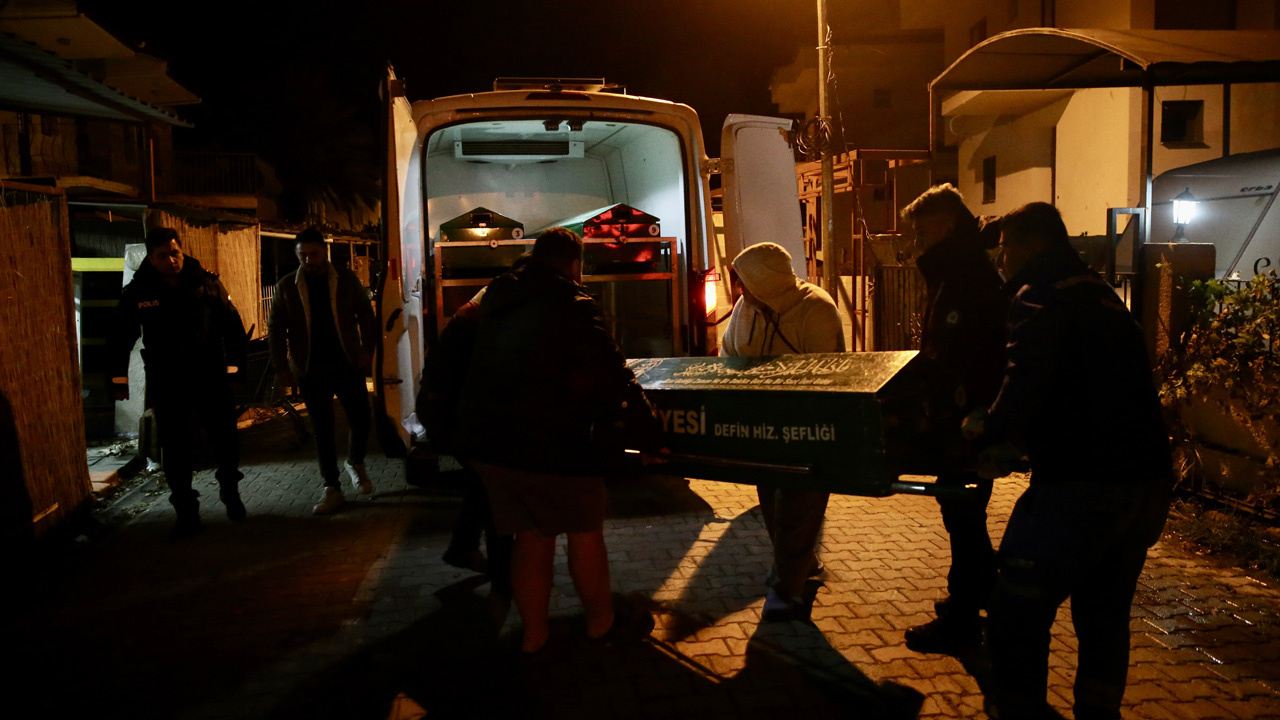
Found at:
<point>1184,209</point>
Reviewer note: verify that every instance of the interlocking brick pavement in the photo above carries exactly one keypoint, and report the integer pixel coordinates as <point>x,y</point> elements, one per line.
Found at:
<point>354,616</point>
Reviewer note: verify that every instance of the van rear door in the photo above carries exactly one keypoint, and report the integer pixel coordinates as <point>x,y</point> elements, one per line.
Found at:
<point>758,177</point>
<point>398,367</point>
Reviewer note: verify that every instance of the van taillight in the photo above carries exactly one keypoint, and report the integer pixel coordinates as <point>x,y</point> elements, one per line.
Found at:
<point>709,291</point>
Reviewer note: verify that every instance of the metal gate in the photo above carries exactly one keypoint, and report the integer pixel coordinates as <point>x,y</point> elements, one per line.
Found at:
<point>898,298</point>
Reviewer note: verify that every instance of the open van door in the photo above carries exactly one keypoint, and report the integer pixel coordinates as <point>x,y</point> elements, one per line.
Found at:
<point>758,178</point>
<point>398,366</point>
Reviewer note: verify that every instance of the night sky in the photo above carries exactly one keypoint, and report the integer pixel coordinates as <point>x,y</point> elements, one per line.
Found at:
<point>273,74</point>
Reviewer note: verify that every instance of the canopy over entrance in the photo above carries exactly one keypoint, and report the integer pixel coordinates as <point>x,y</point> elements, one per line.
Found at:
<point>1050,58</point>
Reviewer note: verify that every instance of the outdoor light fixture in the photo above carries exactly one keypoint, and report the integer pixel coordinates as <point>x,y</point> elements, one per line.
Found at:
<point>1184,209</point>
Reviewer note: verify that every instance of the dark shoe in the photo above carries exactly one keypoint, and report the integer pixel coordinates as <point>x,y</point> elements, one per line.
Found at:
<point>780,608</point>
<point>946,635</point>
<point>631,624</point>
<point>471,559</point>
<point>235,506</point>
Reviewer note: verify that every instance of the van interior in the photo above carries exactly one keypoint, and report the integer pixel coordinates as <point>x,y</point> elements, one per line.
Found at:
<point>546,172</point>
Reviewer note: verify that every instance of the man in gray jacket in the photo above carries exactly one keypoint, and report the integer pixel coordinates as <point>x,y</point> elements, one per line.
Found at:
<point>323,333</point>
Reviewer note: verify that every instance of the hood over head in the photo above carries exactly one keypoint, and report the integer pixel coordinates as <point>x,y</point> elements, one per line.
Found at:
<point>765,268</point>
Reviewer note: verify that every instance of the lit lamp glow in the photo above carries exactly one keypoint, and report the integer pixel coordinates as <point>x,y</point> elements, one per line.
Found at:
<point>1184,209</point>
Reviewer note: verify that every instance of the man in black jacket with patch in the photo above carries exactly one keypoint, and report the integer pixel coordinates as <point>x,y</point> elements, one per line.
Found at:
<point>546,400</point>
<point>193,346</point>
<point>1079,400</point>
<point>963,331</point>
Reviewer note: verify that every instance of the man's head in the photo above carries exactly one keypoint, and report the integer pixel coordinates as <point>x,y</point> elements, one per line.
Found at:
<point>935,214</point>
<point>1027,232</point>
<point>559,249</point>
<point>765,273</point>
<point>164,251</point>
<point>312,252</point>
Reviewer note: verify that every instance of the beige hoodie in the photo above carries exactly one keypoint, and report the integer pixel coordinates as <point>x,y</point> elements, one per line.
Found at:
<point>801,318</point>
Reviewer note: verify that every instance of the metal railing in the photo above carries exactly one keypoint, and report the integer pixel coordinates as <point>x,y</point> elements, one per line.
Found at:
<point>185,172</point>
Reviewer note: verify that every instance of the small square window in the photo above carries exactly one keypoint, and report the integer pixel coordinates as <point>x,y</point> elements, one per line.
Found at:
<point>878,194</point>
<point>1182,123</point>
<point>989,180</point>
<point>882,98</point>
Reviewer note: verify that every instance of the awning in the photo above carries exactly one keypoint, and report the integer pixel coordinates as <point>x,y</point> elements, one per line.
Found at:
<point>37,81</point>
<point>1050,58</point>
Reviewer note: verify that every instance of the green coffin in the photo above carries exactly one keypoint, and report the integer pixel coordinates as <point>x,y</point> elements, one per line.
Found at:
<point>848,423</point>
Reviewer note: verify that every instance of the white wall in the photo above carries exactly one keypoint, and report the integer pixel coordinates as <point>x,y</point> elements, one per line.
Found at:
<point>1023,148</point>
<point>1255,117</point>
<point>1099,156</point>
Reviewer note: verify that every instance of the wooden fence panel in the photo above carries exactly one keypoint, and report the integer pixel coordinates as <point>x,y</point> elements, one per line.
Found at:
<point>47,478</point>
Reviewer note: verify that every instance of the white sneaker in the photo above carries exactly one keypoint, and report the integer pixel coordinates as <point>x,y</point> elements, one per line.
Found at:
<point>330,503</point>
<point>359,478</point>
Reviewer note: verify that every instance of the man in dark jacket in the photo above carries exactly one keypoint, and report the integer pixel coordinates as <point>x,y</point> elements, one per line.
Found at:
<point>1078,399</point>
<point>545,402</point>
<point>193,346</point>
<point>323,334</point>
<point>963,330</point>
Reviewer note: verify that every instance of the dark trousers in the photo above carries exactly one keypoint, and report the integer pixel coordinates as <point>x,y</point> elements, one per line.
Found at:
<point>793,519</point>
<point>973,560</point>
<point>182,409</point>
<point>477,517</point>
<point>1086,541</point>
<point>319,387</point>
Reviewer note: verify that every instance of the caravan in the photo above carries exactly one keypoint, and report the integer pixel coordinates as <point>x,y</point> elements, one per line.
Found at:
<point>472,179</point>
<point>1235,210</point>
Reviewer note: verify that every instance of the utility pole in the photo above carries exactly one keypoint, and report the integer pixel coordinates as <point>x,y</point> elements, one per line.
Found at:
<point>830,264</point>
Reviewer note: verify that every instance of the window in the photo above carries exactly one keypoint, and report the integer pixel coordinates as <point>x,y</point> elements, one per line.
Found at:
<point>882,98</point>
<point>1182,123</point>
<point>989,180</point>
<point>1195,15</point>
<point>978,32</point>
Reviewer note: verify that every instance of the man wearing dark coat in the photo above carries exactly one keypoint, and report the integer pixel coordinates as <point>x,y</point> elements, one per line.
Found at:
<point>546,404</point>
<point>193,347</point>
<point>963,331</point>
<point>323,333</point>
<point>1079,401</point>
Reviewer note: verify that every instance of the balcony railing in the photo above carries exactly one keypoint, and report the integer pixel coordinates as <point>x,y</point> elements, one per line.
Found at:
<point>117,152</point>
<point>206,173</point>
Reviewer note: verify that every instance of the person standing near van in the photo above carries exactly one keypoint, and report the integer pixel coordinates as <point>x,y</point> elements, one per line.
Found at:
<point>546,398</point>
<point>193,346</point>
<point>964,332</point>
<point>779,314</point>
<point>322,333</point>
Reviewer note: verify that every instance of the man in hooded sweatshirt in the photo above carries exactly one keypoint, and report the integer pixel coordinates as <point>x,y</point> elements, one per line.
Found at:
<point>193,346</point>
<point>780,314</point>
<point>964,333</point>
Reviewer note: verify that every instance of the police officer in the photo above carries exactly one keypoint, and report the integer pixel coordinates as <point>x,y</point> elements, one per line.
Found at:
<point>193,346</point>
<point>1078,399</point>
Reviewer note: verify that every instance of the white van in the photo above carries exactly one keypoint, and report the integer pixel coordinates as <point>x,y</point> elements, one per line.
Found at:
<point>542,152</point>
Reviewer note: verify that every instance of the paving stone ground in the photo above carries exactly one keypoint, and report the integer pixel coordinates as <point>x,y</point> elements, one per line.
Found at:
<point>354,616</point>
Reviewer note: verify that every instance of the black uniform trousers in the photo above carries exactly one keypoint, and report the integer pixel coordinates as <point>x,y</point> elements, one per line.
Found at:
<point>184,406</point>
<point>477,517</point>
<point>1087,541</point>
<point>319,386</point>
<point>973,559</point>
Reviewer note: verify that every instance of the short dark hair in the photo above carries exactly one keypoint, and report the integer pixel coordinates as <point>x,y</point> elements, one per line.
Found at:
<point>310,235</point>
<point>942,199</point>
<point>556,247</point>
<point>1035,220</point>
<point>161,236</point>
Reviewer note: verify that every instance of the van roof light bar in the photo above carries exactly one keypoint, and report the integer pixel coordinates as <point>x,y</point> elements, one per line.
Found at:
<point>558,84</point>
